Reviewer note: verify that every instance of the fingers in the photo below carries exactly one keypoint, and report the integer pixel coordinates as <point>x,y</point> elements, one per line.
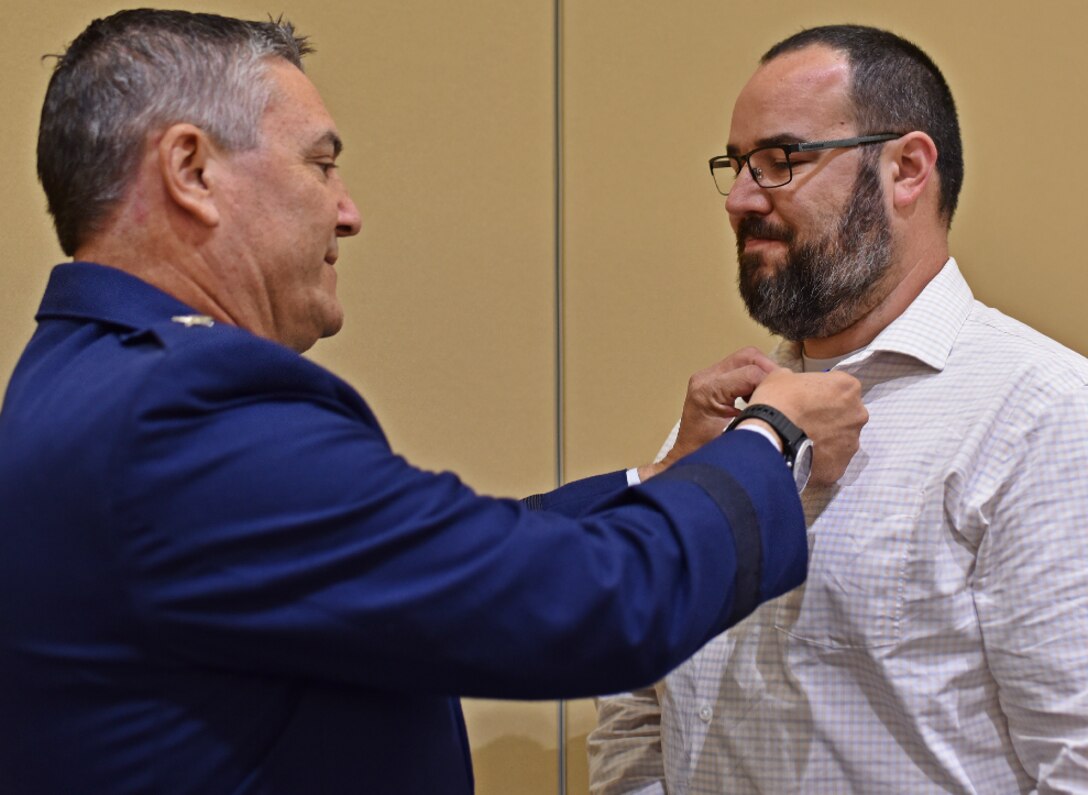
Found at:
<point>716,390</point>
<point>828,407</point>
<point>837,440</point>
<point>744,357</point>
<point>735,376</point>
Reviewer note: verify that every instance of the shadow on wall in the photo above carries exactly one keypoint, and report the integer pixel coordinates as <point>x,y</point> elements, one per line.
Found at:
<point>577,763</point>
<point>516,765</point>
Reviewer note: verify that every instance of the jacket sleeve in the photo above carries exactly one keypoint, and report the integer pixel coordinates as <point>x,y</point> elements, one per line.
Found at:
<point>261,523</point>
<point>574,498</point>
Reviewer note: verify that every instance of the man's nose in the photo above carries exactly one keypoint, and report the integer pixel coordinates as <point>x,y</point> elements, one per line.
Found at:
<point>746,196</point>
<point>348,220</point>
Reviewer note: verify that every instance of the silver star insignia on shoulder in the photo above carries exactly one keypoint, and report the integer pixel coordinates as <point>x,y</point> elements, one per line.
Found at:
<point>193,320</point>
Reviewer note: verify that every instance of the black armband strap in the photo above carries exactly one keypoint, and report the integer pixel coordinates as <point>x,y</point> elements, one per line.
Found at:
<point>735,504</point>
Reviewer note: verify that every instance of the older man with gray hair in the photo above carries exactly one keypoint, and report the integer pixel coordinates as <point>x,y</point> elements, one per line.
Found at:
<point>216,576</point>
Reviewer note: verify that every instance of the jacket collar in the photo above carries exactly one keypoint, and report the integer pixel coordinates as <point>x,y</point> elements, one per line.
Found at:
<point>88,291</point>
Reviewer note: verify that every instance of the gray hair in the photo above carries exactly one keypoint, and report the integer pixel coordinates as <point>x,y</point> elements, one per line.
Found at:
<point>137,72</point>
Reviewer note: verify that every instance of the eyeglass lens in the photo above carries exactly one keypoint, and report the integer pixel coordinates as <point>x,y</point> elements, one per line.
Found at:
<point>770,167</point>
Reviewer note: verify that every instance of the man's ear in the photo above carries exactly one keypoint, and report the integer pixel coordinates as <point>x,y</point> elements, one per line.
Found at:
<point>188,162</point>
<point>914,166</point>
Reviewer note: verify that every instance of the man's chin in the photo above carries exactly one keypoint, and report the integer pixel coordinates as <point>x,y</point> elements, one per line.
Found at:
<point>334,321</point>
<point>757,266</point>
<point>324,323</point>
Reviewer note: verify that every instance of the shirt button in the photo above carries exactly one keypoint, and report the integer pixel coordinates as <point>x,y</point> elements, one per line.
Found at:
<point>705,714</point>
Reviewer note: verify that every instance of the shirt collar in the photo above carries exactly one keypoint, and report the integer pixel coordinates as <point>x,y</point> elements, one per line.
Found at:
<point>88,291</point>
<point>926,331</point>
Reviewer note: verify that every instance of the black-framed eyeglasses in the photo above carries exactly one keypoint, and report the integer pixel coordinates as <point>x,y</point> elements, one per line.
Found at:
<point>770,166</point>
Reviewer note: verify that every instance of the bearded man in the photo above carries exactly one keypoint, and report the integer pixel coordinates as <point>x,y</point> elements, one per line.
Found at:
<point>938,644</point>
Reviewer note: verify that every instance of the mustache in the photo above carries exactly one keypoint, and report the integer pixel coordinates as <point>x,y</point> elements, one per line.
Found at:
<point>754,226</point>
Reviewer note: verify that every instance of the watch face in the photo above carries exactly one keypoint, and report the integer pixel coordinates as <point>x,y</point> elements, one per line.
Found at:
<point>802,464</point>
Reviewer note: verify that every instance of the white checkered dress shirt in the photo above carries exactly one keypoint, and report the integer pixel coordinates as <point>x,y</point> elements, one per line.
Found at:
<point>940,643</point>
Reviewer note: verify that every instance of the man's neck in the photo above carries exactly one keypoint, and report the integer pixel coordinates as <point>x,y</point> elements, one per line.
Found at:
<point>183,275</point>
<point>865,329</point>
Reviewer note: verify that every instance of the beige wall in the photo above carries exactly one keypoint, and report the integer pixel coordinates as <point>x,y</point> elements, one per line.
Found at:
<point>448,114</point>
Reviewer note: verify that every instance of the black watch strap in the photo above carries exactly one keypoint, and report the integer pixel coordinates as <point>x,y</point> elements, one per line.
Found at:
<point>790,435</point>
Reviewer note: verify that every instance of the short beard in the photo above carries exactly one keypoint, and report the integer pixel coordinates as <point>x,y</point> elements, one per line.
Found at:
<point>827,285</point>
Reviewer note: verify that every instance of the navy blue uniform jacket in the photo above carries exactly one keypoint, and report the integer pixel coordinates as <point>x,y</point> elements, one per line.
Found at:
<point>216,577</point>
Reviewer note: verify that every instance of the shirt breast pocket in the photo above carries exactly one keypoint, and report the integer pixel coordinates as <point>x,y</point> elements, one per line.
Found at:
<point>860,548</point>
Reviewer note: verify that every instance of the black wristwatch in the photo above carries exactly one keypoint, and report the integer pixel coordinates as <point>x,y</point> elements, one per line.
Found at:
<point>796,446</point>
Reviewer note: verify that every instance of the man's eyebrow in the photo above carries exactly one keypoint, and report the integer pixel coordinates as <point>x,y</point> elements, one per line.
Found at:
<point>774,140</point>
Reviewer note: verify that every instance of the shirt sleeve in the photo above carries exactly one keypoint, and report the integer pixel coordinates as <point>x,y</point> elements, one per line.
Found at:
<point>1031,593</point>
<point>625,749</point>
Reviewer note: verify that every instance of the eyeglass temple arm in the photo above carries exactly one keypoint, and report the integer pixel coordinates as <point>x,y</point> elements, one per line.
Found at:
<point>857,141</point>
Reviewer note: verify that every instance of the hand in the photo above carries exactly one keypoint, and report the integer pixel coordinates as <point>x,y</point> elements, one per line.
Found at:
<point>827,407</point>
<point>709,405</point>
